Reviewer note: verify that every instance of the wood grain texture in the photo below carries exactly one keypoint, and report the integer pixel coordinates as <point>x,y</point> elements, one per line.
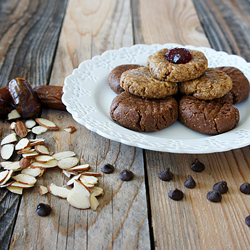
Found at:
<point>121,221</point>
<point>226,24</point>
<point>25,26</point>
<point>167,21</point>
<point>194,222</point>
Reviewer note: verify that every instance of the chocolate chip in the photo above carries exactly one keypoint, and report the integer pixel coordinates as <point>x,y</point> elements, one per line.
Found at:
<point>245,188</point>
<point>126,175</point>
<point>221,187</point>
<point>197,166</point>
<point>214,196</point>
<point>190,182</point>
<point>166,175</point>
<point>247,220</point>
<point>108,168</point>
<point>43,209</point>
<point>176,194</point>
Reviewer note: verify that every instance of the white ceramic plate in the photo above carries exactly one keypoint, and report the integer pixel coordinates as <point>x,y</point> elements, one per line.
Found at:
<point>88,97</point>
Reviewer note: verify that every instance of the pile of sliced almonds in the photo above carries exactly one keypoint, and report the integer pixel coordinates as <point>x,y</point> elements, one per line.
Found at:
<point>80,190</point>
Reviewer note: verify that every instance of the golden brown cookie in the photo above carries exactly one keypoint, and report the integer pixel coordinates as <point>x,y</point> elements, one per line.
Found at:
<point>162,69</point>
<point>140,82</point>
<point>212,84</point>
<point>146,115</point>
<point>115,76</point>
<point>241,87</point>
<point>208,117</point>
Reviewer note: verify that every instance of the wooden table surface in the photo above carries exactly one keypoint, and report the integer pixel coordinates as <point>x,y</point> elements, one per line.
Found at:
<point>43,41</point>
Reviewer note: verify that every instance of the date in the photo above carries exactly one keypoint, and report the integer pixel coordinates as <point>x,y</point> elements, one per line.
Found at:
<point>24,98</point>
<point>6,103</point>
<point>50,96</point>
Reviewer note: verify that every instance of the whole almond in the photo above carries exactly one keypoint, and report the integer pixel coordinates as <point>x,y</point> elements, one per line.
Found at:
<point>24,163</point>
<point>20,129</point>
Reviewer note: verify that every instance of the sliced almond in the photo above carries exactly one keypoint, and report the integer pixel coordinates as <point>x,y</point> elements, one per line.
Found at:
<point>15,166</point>
<point>21,185</point>
<point>22,144</point>
<point>5,163</point>
<point>42,150</point>
<point>43,158</point>
<point>80,188</point>
<point>35,172</point>
<point>66,173</point>
<point>65,154</point>
<point>9,139</point>
<point>71,181</point>
<point>3,175</point>
<point>24,163</point>
<point>20,129</point>
<point>6,184</point>
<point>39,130</point>
<point>47,123</point>
<point>7,151</point>
<point>12,125</point>
<point>91,174</point>
<point>96,191</point>
<point>13,115</point>
<point>83,167</point>
<point>16,190</point>
<point>30,155</point>
<point>49,164</point>
<point>70,129</point>
<point>43,190</point>
<point>34,142</point>
<point>7,177</point>
<point>60,192</point>
<point>30,123</point>
<point>24,178</point>
<point>94,203</point>
<point>26,150</point>
<point>67,163</point>
<point>88,180</point>
<point>78,200</point>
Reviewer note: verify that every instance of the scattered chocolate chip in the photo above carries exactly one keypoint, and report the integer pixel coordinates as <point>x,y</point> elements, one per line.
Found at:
<point>214,196</point>
<point>190,182</point>
<point>197,166</point>
<point>166,175</point>
<point>245,188</point>
<point>247,220</point>
<point>221,187</point>
<point>126,175</point>
<point>43,209</point>
<point>108,168</point>
<point>176,194</point>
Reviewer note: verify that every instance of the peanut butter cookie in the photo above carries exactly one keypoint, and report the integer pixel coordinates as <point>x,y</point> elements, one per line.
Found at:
<point>144,115</point>
<point>163,69</point>
<point>141,83</point>
<point>212,84</point>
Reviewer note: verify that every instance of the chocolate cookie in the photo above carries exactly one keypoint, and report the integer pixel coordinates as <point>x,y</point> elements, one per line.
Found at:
<point>141,83</point>
<point>212,84</point>
<point>208,117</point>
<point>115,75</point>
<point>144,115</point>
<point>162,69</point>
<point>241,87</point>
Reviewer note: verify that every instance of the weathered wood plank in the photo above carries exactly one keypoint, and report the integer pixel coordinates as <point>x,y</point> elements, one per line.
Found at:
<point>196,223</point>
<point>26,26</point>
<point>226,24</point>
<point>121,221</point>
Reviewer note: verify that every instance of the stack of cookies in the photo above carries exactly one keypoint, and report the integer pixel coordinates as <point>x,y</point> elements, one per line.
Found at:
<point>147,96</point>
